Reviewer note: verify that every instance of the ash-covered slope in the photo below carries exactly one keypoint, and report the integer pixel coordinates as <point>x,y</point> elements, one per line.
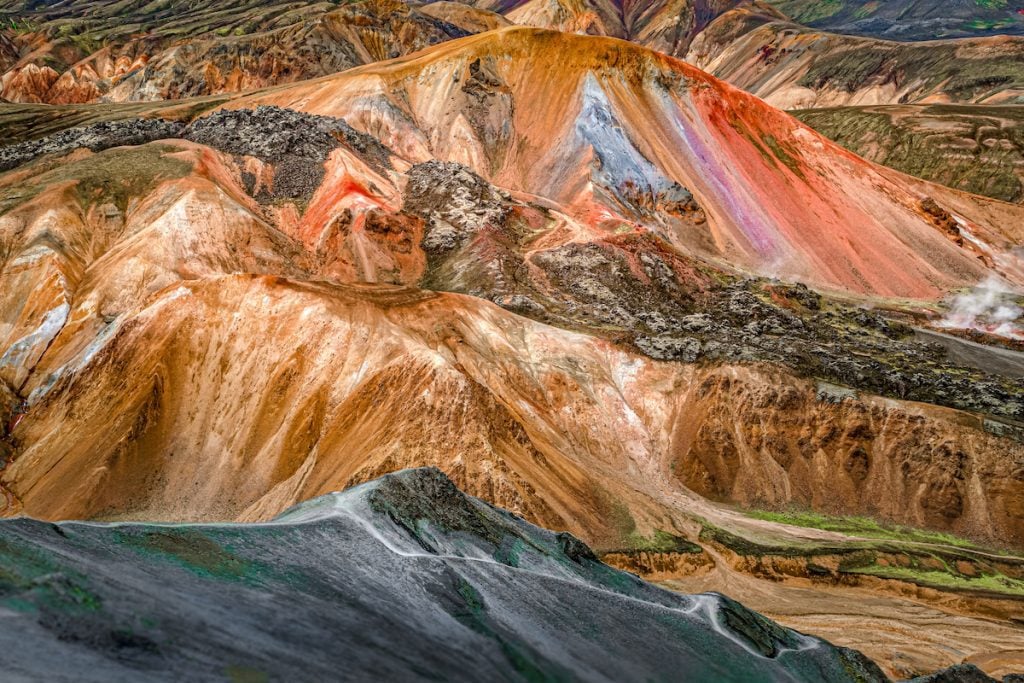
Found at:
<point>403,578</point>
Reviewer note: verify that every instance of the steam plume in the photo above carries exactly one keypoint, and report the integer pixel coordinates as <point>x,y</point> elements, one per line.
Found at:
<point>990,307</point>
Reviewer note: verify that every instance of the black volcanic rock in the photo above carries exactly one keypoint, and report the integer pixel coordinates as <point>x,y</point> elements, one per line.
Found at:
<point>96,137</point>
<point>270,133</point>
<point>455,202</point>
<point>403,578</point>
<point>297,144</point>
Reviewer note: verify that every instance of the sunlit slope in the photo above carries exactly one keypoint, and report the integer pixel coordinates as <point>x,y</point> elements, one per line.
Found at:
<point>617,130</point>
<point>792,66</point>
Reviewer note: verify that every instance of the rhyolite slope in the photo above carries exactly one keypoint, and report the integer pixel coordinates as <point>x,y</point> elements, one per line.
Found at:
<point>909,19</point>
<point>792,66</point>
<point>402,578</point>
<point>90,50</point>
<point>196,215</point>
<point>977,149</point>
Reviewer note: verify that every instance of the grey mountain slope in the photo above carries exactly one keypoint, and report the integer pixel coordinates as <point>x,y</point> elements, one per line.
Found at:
<point>403,578</point>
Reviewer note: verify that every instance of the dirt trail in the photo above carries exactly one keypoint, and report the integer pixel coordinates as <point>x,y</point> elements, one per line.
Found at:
<point>987,358</point>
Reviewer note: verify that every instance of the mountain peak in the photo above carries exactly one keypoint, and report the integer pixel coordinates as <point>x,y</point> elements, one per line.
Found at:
<point>769,195</point>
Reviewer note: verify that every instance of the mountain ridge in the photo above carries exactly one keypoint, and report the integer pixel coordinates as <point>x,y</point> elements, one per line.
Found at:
<point>468,589</point>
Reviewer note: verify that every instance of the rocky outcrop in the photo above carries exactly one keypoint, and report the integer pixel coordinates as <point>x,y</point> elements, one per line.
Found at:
<point>9,407</point>
<point>95,137</point>
<point>659,565</point>
<point>298,144</point>
<point>455,202</point>
<point>794,327</point>
<point>295,144</point>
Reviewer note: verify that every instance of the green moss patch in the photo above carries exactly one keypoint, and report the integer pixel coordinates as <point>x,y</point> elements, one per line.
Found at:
<point>975,149</point>
<point>867,527</point>
<point>193,550</point>
<point>947,580</point>
<point>659,542</point>
<point>115,176</point>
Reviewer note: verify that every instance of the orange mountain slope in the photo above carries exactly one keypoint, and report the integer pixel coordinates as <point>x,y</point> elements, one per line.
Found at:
<point>617,130</point>
<point>630,179</point>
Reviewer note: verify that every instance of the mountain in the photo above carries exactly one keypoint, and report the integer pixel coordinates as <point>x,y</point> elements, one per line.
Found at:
<point>975,149</point>
<point>620,298</point>
<point>112,51</point>
<point>906,20</point>
<point>116,51</point>
<point>794,67</point>
<point>407,566</point>
<point>621,126</point>
<point>122,273</point>
<point>669,25</point>
<point>93,50</point>
<point>664,25</point>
